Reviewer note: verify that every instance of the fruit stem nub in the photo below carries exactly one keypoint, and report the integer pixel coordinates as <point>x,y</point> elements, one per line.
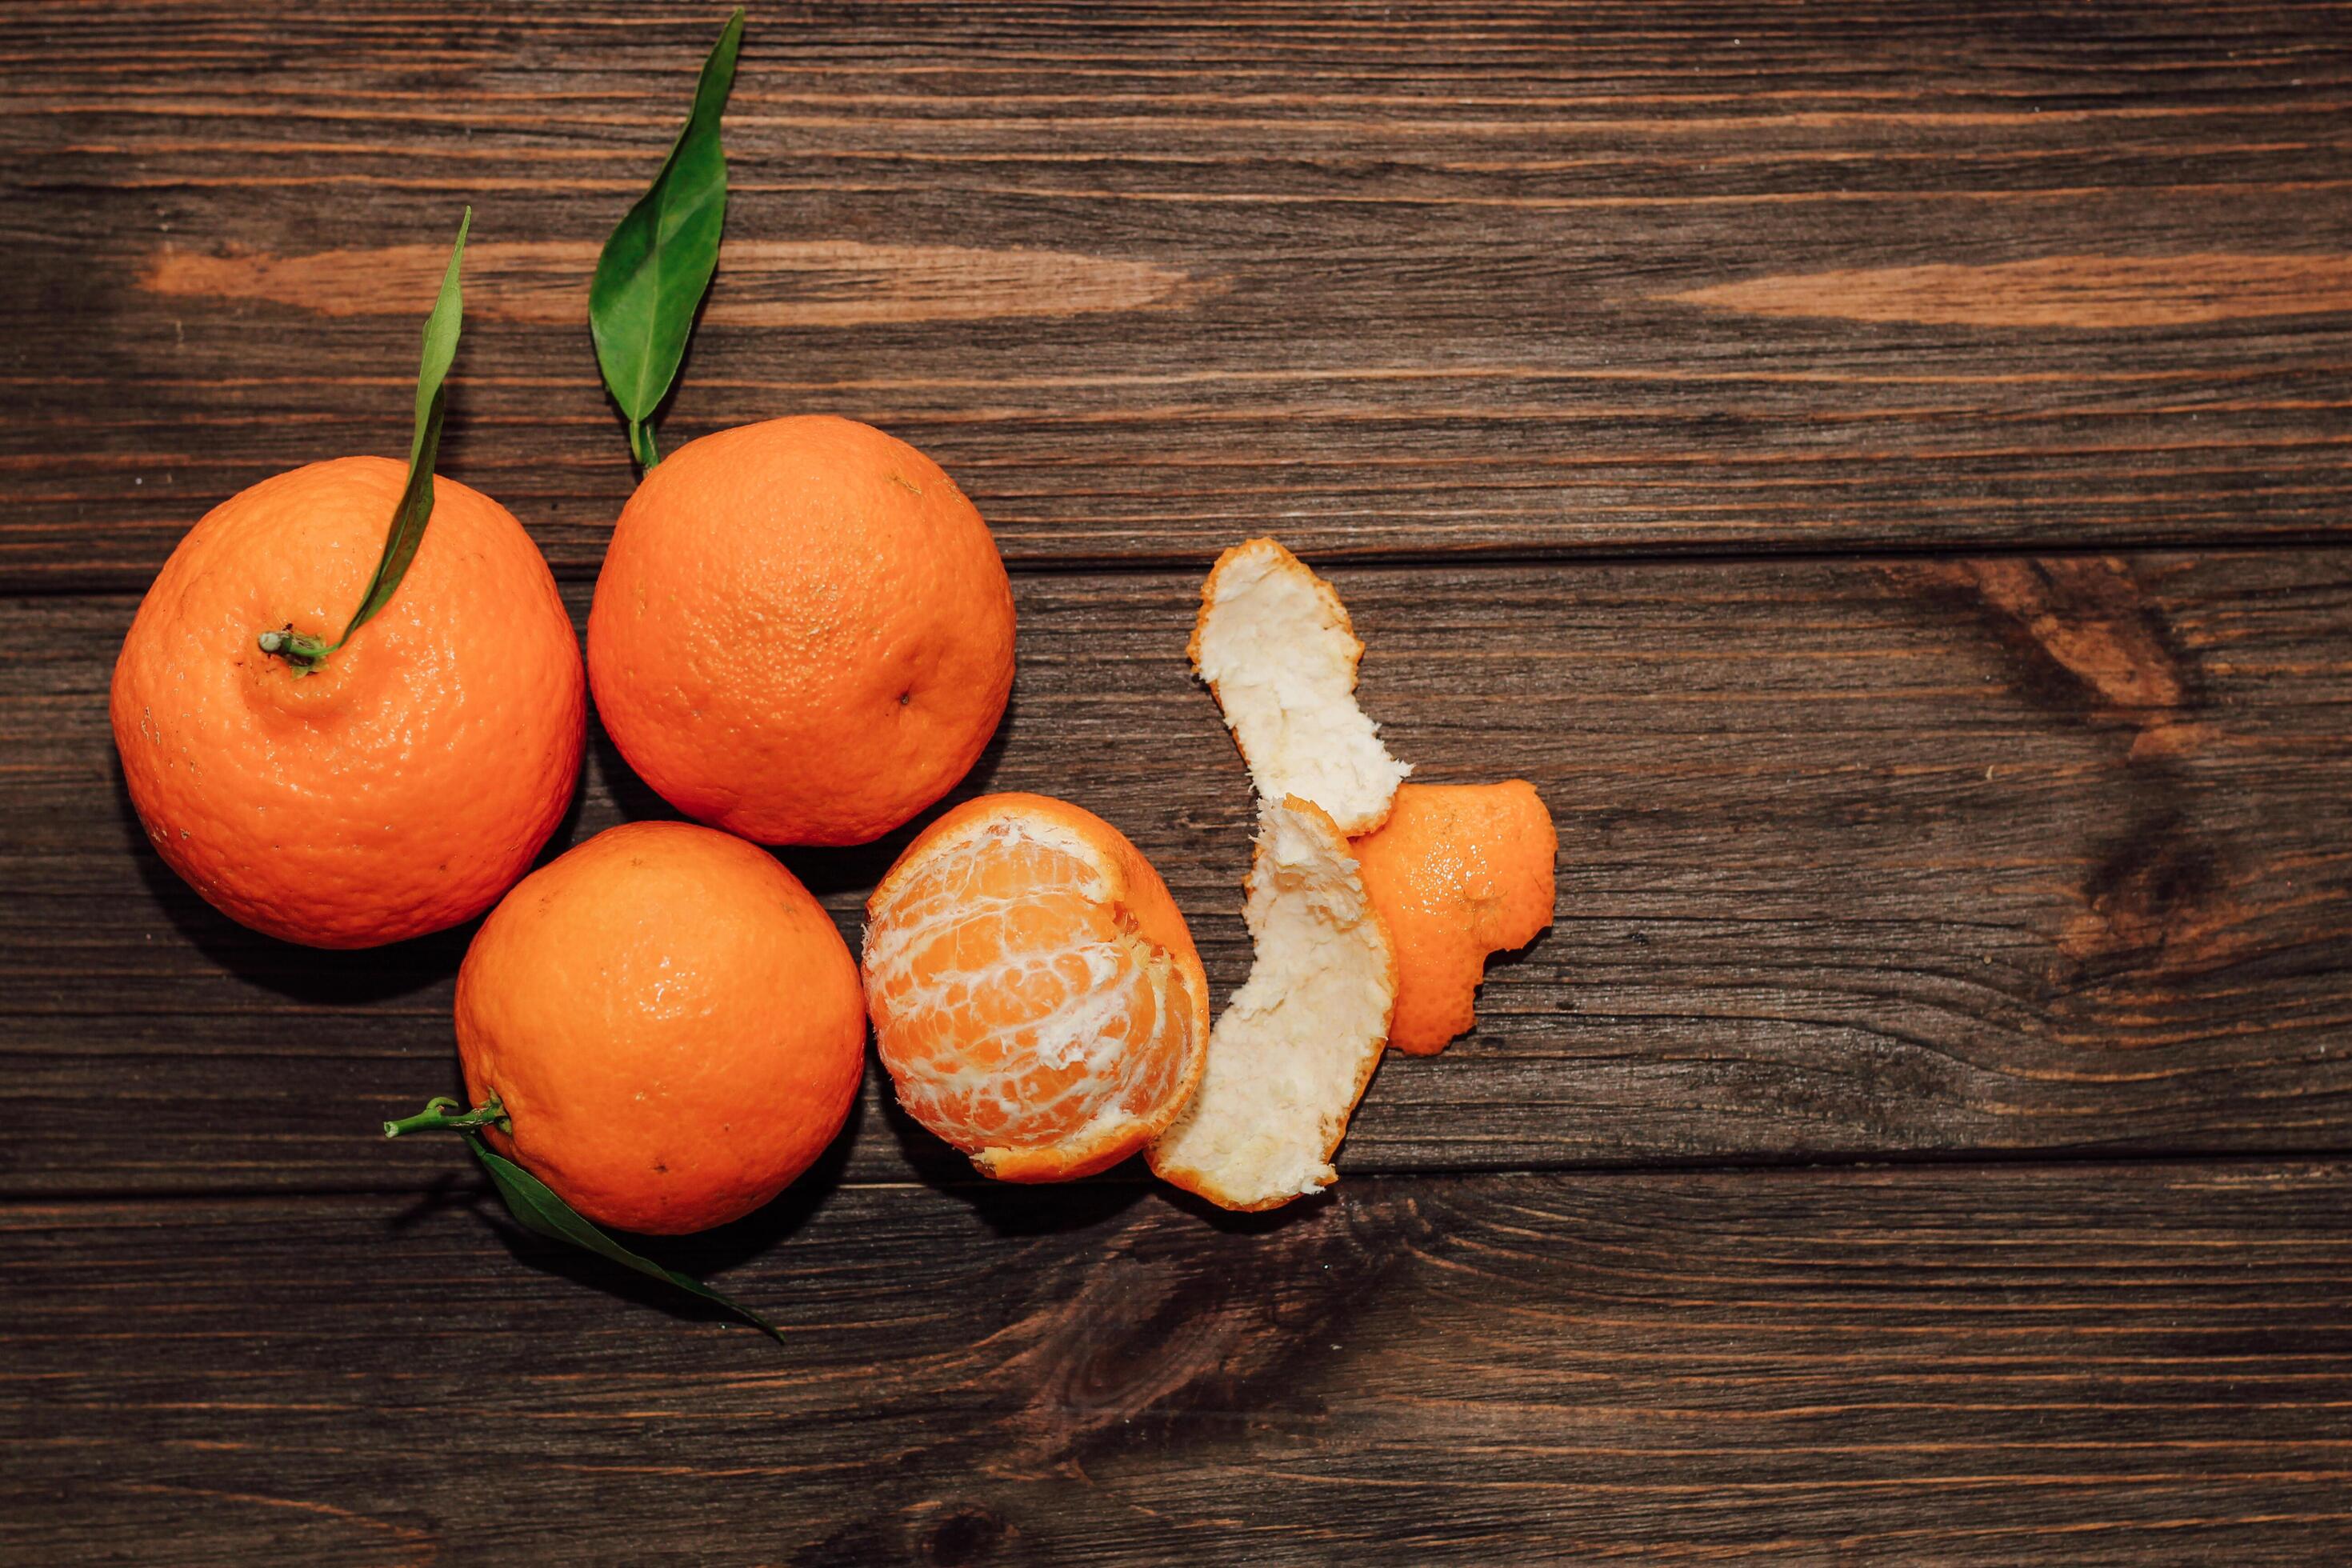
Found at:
<point>303,651</point>
<point>436,1117</point>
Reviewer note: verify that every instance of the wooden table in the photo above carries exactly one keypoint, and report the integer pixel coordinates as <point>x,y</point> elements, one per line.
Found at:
<point>1882,474</point>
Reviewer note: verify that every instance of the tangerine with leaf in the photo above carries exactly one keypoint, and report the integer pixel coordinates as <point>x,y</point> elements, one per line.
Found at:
<point>802,632</point>
<point>395,780</point>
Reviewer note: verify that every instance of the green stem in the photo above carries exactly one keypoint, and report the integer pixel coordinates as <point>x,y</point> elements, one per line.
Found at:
<point>304,652</point>
<point>436,1117</point>
<point>641,444</point>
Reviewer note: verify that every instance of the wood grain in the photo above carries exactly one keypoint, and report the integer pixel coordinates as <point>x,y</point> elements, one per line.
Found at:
<point>1885,476</point>
<point>2093,1364</point>
<point>1540,281</point>
<point>1864,858</point>
<point>771,283</point>
<point>2061,292</point>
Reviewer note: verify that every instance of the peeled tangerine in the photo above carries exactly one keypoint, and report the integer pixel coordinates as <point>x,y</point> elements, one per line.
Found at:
<point>1457,871</point>
<point>1293,1051</point>
<point>1034,992</point>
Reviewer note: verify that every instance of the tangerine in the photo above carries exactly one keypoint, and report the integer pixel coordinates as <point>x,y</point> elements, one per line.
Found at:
<point>670,1022</point>
<point>1035,995</point>
<point>404,784</point>
<point>802,632</point>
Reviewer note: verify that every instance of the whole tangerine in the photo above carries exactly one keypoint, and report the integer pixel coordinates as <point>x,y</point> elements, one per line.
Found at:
<point>671,1024</point>
<point>407,784</point>
<point>802,633</point>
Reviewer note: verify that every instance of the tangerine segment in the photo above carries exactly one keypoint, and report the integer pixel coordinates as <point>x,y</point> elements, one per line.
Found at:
<point>407,785</point>
<point>1457,871</point>
<point>1296,1047</point>
<point>1275,645</point>
<point>671,1021</point>
<point>1034,992</point>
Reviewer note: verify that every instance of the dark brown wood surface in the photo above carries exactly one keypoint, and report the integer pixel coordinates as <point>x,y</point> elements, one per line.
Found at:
<point>1456,276</point>
<point>2096,1363</point>
<point>1859,857</point>
<point>1884,475</point>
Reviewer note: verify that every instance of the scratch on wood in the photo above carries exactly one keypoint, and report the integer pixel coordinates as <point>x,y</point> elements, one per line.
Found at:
<point>425,1550</point>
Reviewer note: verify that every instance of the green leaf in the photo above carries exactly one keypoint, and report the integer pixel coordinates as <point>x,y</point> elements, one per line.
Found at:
<point>658,264</point>
<point>538,1208</point>
<point>415,508</point>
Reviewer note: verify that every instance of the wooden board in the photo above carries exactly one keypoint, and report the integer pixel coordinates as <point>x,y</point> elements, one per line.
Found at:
<point>1548,280</point>
<point>2092,1363</point>
<point>1883,474</point>
<point>1859,858</point>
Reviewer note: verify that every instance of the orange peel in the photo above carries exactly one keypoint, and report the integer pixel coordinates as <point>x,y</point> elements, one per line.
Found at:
<point>1275,644</point>
<point>1458,872</point>
<point>1295,1049</point>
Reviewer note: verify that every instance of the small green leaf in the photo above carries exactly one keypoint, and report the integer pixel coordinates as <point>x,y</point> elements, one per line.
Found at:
<point>658,264</point>
<point>537,1208</point>
<point>415,508</point>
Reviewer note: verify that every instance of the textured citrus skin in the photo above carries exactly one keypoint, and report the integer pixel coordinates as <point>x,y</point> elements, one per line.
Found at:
<point>802,632</point>
<point>1457,871</point>
<point>407,784</point>
<point>1035,990</point>
<point>672,1023</point>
